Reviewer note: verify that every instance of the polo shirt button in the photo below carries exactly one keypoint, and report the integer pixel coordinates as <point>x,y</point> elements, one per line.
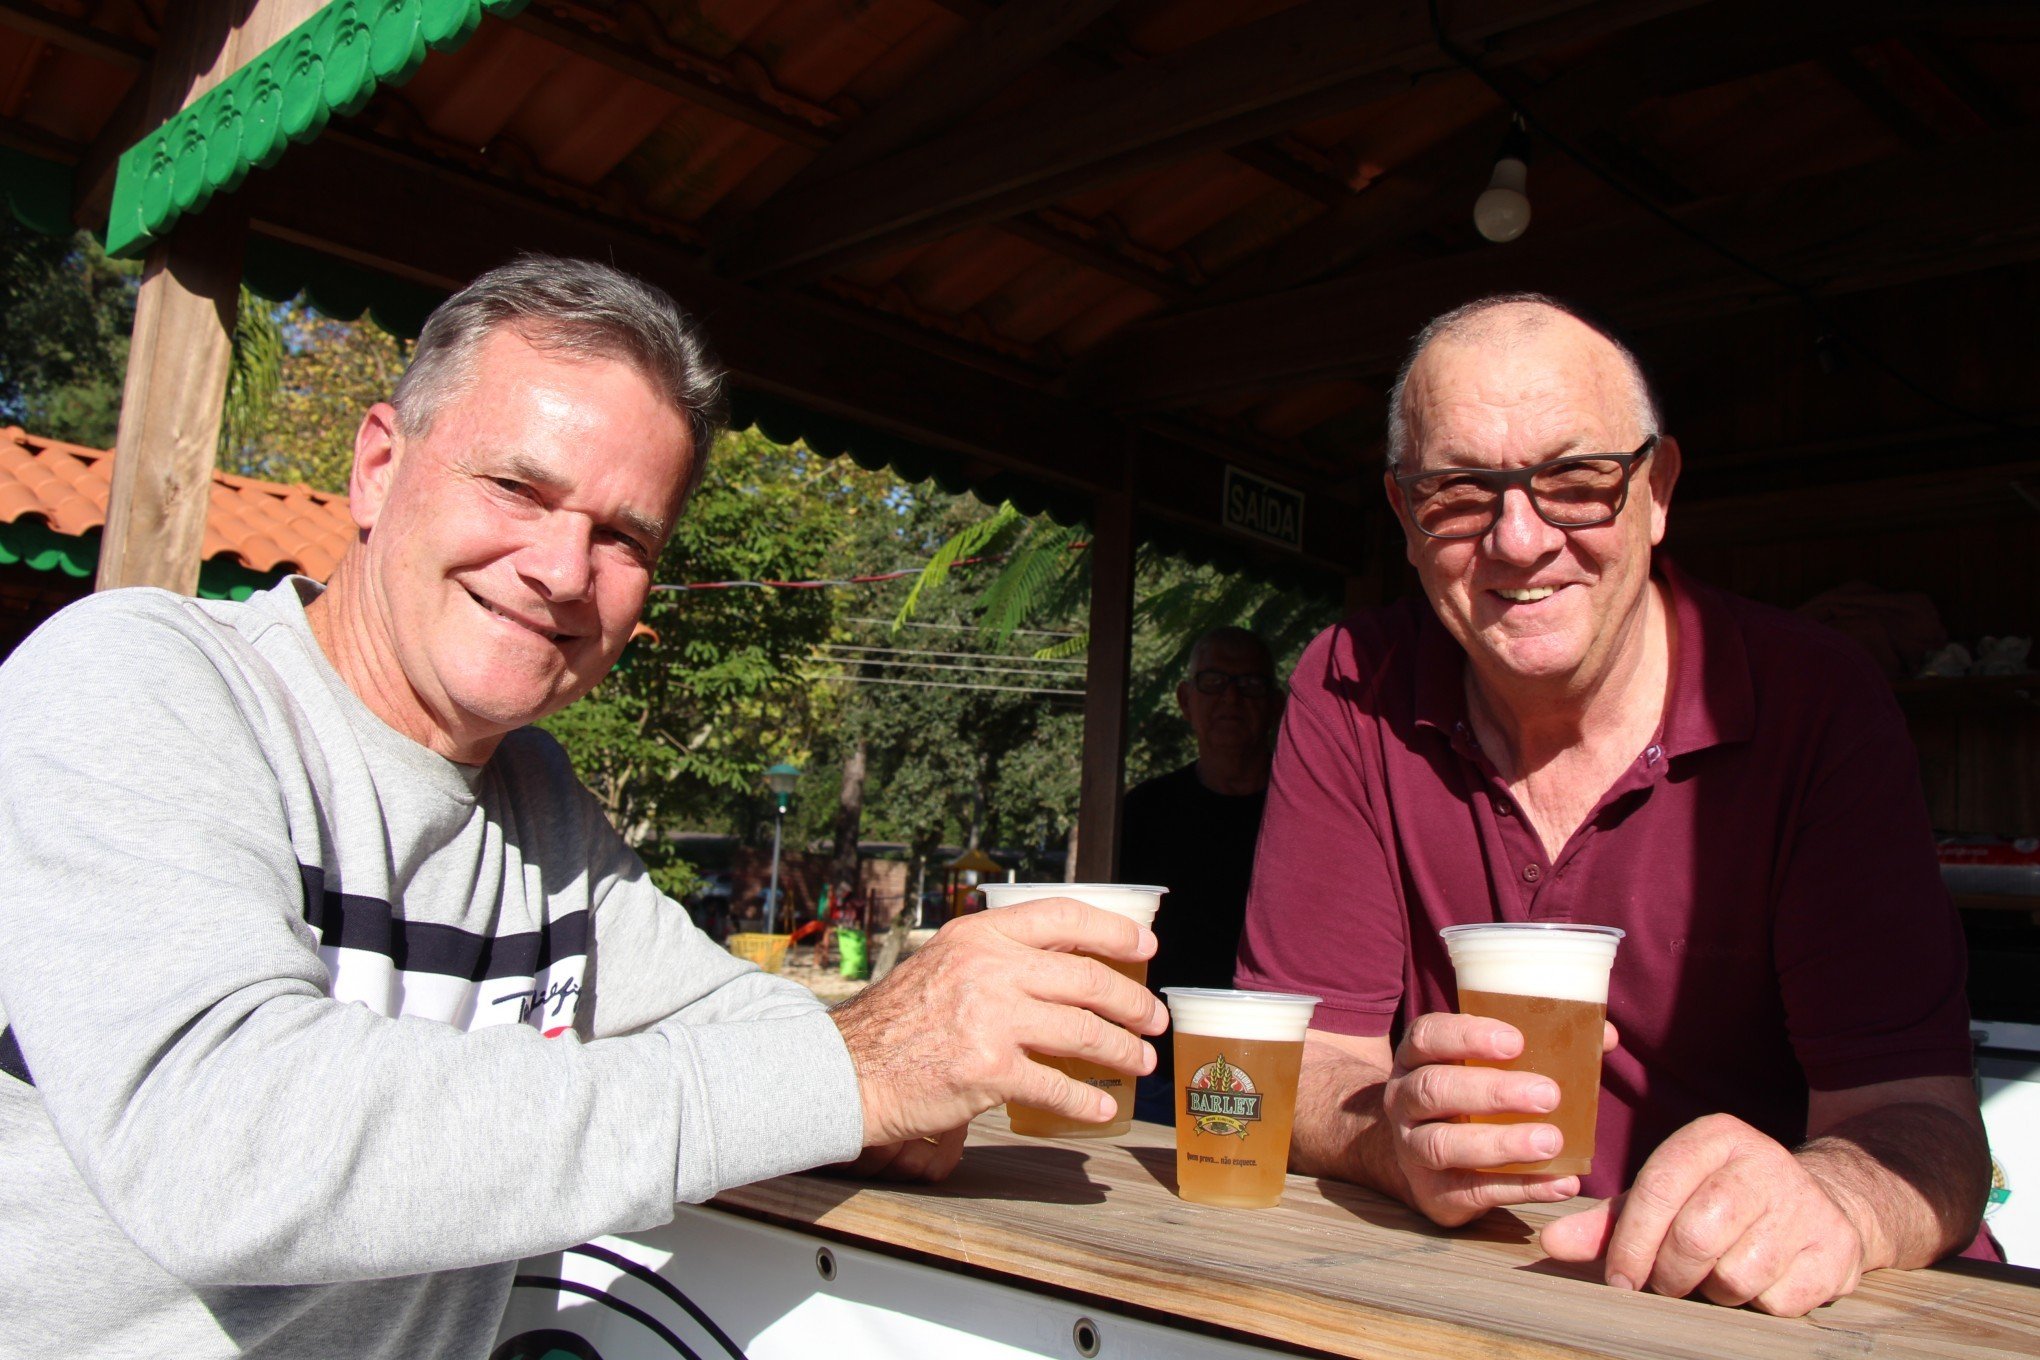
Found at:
<point>1504,808</point>
<point>1530,873</point>
<point>1653,754</point>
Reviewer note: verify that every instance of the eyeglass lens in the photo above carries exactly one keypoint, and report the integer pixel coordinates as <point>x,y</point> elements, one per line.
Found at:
<point>1215,682</point>
<point>1572,494</point>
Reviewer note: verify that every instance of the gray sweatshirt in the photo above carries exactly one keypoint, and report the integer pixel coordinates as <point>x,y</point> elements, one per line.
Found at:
<point>321,1030</point>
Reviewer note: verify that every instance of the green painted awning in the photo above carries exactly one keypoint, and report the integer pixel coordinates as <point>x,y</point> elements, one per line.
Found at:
<point>330,64</point>
<point>30,542</point>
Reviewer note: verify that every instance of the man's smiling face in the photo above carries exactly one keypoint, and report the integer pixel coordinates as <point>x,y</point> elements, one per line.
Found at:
<point>510,546</point>
<point>1535,607</point>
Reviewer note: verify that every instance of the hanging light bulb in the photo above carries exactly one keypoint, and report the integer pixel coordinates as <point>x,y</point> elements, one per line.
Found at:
<point>1503,211</point>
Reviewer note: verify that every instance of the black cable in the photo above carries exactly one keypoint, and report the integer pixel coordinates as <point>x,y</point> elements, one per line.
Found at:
<point>1832,327</point>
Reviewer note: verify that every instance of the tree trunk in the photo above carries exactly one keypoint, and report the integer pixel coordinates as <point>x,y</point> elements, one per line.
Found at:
<point>849,822</point>
<point>1070,856</point>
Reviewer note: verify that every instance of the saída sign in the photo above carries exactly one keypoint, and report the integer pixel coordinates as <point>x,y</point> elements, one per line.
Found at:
<point>1262,508</point>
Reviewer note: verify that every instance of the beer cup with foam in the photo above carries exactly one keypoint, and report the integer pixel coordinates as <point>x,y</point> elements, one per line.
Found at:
<point>1550,981</point>
<point>1238,1055</point>
<point>1136,902</point>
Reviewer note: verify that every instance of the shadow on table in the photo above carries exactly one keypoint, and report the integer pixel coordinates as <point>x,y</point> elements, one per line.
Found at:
<point>1157,1162</point>
<point>1021,1175</point>
<point>1497,1225</point>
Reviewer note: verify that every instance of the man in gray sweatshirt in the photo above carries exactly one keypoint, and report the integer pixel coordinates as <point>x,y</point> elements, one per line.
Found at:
<point>327,992</point>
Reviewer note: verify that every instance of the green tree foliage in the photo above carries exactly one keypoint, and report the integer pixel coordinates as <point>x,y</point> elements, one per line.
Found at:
<point>681,731</point>
<point>300,383</point>
<point>69,310</point>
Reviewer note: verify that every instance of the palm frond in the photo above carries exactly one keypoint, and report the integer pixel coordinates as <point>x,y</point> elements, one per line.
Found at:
<point>972,540</point>
<point>1021,588</point>
<point>254,380</point>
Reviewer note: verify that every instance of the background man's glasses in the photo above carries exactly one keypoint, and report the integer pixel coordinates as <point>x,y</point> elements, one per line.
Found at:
<point>1574,492</point>
<point>1217,682</point>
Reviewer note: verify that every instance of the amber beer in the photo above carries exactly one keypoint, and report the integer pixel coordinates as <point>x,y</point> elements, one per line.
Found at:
<point>1238,1055</point>
<point>1550,981</point>
<point>1137,902</point>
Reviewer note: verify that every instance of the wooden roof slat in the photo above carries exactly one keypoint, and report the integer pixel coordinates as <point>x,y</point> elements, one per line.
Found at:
<point>1908,217</point>
<point>1006,44</point>
<point>1320,58</point>
<point>1317,58</point>
<point>724,97</point>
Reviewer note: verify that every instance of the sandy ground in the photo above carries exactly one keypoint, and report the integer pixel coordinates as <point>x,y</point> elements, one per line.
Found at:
<point>823,982</point>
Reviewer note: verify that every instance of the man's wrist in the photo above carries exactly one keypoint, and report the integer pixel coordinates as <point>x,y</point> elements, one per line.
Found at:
<point>1834,1165</point>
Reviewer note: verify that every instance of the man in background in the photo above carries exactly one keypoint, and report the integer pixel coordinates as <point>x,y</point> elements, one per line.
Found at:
<point>1193,830</point>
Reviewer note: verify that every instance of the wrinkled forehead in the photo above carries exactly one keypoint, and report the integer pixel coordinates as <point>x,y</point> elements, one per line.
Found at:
<point>1551,382</point>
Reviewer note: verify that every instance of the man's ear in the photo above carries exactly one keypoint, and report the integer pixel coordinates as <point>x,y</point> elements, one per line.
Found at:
<point>1664,475</point>
<point>1183,699</point>
<point>375,464</point>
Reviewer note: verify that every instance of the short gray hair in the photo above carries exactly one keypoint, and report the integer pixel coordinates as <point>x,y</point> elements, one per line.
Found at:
<point>577,308</point>
<point>1471,323</point>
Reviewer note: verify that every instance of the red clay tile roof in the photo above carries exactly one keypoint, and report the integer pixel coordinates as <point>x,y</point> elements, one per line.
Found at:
<point>263,526</point>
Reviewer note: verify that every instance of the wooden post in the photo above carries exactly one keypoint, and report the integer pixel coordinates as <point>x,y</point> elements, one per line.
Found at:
<point>1105,683</point>
<point>170,409</point>
<point>184,321</point>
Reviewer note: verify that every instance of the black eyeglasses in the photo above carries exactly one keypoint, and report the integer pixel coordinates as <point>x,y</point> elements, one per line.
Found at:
<point>1577,491</point>
<point>1217,682</point>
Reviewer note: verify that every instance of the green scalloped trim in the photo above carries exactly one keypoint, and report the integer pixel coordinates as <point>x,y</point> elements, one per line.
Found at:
<point>330,64</point>
<point>38,191</point>
<point>220,579</point>
<point>281,271</point>
<point>33,543</point>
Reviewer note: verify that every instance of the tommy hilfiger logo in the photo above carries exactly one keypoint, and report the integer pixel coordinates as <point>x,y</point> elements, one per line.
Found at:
<point>537,1001</point>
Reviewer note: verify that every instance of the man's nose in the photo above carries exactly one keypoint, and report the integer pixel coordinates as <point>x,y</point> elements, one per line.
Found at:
<point>560,559</point>
<point>1520,533</point>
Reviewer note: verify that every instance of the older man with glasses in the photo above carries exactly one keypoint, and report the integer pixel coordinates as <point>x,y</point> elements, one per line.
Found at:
<point>1568,728</point>
<point>1194,829</point>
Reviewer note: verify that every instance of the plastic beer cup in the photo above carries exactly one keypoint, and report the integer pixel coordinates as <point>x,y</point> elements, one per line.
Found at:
<point>1549,980</point>
<point>1238,1055</point>
<point>1137,902</point>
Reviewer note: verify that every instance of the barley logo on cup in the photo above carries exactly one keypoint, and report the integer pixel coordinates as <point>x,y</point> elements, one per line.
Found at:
<point>1221,1099</point>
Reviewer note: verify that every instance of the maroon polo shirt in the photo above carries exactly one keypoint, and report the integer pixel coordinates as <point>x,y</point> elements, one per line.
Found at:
<point>1768,853</point>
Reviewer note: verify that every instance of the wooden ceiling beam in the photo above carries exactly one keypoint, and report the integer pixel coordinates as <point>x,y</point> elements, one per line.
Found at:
<point>727,98</point>
<point>1958,209</point>
<point>1238,86</point>
<point>774,343</point>
<point>1008,43</point>
<point>73,35</point>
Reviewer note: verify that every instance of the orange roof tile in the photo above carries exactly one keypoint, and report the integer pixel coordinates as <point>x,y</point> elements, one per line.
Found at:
<point>263,526</point>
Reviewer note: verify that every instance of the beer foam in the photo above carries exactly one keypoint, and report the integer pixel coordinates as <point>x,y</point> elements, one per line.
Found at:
<point>1566,965</point>
<point>1272,1017</point>
<point>1137,902</point>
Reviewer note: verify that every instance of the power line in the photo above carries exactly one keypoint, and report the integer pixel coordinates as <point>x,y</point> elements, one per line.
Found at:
<point>946,666</point>
<point>982,656</point>
<point>970,628</point>
<point>948,684</point>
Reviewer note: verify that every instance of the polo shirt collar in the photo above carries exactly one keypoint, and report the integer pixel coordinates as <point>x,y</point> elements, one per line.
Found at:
<point>1712,700</point>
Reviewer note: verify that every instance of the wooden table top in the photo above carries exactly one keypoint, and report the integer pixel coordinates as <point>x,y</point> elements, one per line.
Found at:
<point>1339,1270</point>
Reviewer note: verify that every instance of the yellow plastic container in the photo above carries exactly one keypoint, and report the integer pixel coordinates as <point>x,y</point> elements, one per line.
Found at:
<point>767,951</point>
